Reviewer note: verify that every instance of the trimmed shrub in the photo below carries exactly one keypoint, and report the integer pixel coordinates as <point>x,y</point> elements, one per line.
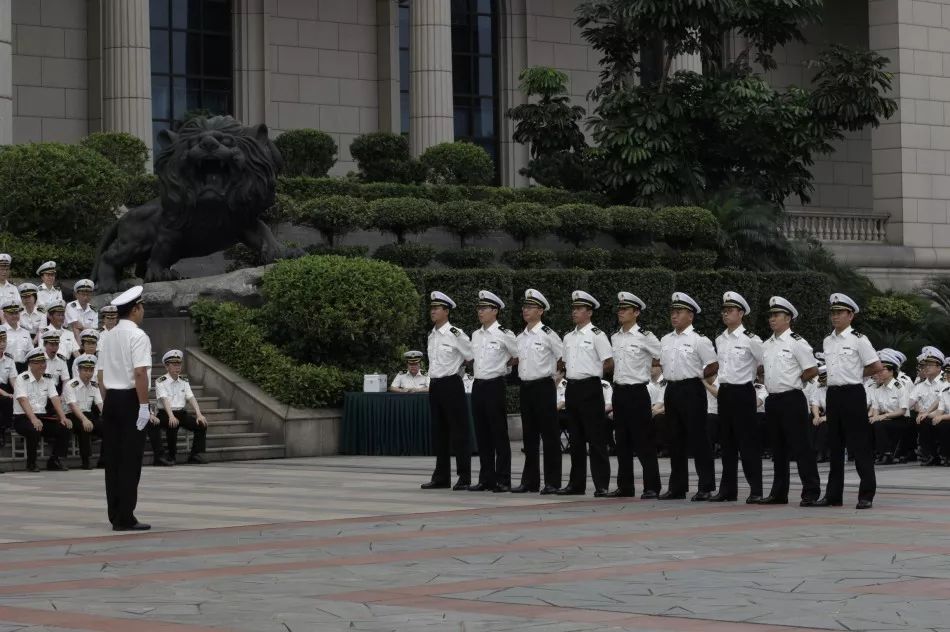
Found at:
<point>402,216</point>
<point>499,196</point>
<point>529,258</point>
<point>544,195</point>
<point>687,226</point>
<point>632,225</point>
<point>384,157</point>
<point>686,260</point>
<point>141,189</point>
<point>228,332</point>
<point>585,258</point>
<point>355,252</point>
<point>457,163</point>
<point>645,257</point>
<point>334,216</point>
<point>128,153</point>
<point>341,311</point>
<point>466,219</point>
<point>305,187</point>
<point>381,190</point>
<point>66,192</point>
<point>307,152</point>
<point>406,255</point>
<point>73,261</point>
<point>654,286</point>
<point>282,211</point>
<point>556,285</point>
<point>443,193</point>
<point>578,223</point>
<point>463,287</point>
<point>893,312</point>
<point>524,220</point>
<point>467,258</point>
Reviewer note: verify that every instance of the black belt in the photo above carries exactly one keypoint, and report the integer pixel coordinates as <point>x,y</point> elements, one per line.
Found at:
<point>854,386</point>
<point>686,381</point>
<point>489,379</point>
<point>447,377</point>
<point>582,380</point>
<point>537,381</point>
<point>736,385</point>
<point>639,385</point>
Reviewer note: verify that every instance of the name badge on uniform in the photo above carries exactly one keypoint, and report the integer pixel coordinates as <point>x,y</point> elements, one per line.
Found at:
<point>847,351</point>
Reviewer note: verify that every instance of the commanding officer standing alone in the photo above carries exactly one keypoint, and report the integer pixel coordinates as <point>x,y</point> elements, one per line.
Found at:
<point>125,360</point>
<point>850,358</point>
<point>687,359</point>
<point>635,351</point>
<point>448,349</point>
<point>539,349</point>
<point>587,356</point>
<point>740,355</point>
<point>494,349</point>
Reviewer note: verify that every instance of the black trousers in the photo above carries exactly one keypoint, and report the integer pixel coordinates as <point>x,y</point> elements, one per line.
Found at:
<point>539,425</point>
<point>588,429</point>
<point>685,404</point>
<point>83,438</point>
<point>788,418</point>
<point>633,421</point>
<point>934,440</point>
<point>52,431</point>
<point>491,432</point>
<point>185,420</point>
<point>888,432</point>
<point>122,447</point>
<point>6,417</point>
<point>739,437</point>
<point>819,439</point>
<point>848,425</point>
<point>450,430</point>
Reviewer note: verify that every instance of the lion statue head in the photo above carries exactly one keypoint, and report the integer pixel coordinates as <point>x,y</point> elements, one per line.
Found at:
<point>217,165</point>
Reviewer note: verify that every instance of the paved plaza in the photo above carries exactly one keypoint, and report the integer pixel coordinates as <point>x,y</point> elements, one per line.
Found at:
<point>352,543</point>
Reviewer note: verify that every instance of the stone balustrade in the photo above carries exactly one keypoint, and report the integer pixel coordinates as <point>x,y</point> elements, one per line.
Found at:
<point>838,228</point>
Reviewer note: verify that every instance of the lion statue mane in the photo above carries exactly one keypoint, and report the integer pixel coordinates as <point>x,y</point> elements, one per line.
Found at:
<point>216,179</point>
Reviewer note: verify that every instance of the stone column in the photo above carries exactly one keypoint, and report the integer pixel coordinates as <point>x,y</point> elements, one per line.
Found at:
<point>430,84</point>
<point>251,87</point>
<point>126,68</point>
<point>6,73</point>
<point>387,66</point>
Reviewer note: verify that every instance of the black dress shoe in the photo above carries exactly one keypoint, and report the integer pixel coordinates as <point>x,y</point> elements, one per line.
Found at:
<point>480,487</point>
<point>824,501</point>
<point>808,502</point>
<point>773,500</point>
<point>863,504</point>
<point>55,465</point>
<point>649,495</point>
<point>523,489</point>
<point>501,488</point>
<point>550,489</point>
<point>460,486</point>
<point>138,526</point>
<point>620,493</point>
<point>700,497</point>
<point>668,495</point>
<point>435,485</point>
<point>570,491</point>
<point>197,459</point>
<point>722,498</point>
<point>163,461</point>
<point>600,493</point>
<point>753,499</point>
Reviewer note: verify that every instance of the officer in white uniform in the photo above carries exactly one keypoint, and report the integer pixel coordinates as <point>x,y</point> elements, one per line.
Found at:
<point>8,291</point>
<point>34,393</point>
<point>789,363</point>
<point>48,292</point>
<point>740,355</point>
<point>56,365</point>
<point>413,379</point>
<point>539,349</point>
<point>687,358</point>
<point>33,317</point>
<point>937,423</point>
<point>448,348</point>
<point>850,358</point>
<point>587,356</point>
<point>925,401</point>
<point>635,350</point>
<point>83,399</point>
<point>19,341</point>
<point>55,313</point>
<point>8,374</point>
<point>108,317</point>
<point>173,393</point>
<point>889,409</point>
<point>817,394</point>
<point>79,313</point>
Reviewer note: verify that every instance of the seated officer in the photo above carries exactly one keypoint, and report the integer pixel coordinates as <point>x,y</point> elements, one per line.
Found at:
<point>84,401</point>
<point>33,317</point>
<point>35,394</point>
<point>79,313</point>
<point>413,379</point>
<point>19,341</point>
<point>173,392</point>
<point>56,366</point>
<point>8,375</point>
<point>88,345</point>
<point>108,317</point>
<point>48,292</point>
<point>55,314</point>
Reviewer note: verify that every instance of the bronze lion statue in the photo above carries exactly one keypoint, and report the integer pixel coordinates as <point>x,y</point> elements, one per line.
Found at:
<point>216,179</point>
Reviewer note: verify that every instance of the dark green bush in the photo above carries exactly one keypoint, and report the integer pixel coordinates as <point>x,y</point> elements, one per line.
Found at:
<point>654,286</point>
<point>544,195</point>
<point>463,287</point>
<point>632,225</point>
<point>381,190</point>
<point>707,288</point>
<point>685,260</point>
<point>128,153</point>
<point>355,252</point>
<point>307,152</point>
<point>524,220</point>
<point>73,261</point>
<point>406,255</point>
<point>643,257</point>
<point>384,157</point>
<point>305,187</point>
<point>228,332</point>
<point>334,215</point>
<point>499,196</point>
<point>578,223</point>
<point>467,258</point>
<point>457,163</point>
<point>687,226</point>
<point>442,193</point>
<point>808,292</point>
<point>67,193</point>
<point>141,189</point>
<point>556,285</point>
<point>283,210</point>
<point>529,258</point>
<point>466,219</point>
<point>402,216</point>
<point>337,310</point>
<point>585,258</point>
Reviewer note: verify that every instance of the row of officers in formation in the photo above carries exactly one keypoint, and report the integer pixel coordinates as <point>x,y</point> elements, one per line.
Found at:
<point>847,396</point>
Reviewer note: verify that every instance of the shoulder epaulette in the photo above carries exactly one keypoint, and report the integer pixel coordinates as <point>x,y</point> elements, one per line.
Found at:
<point>455,331</point>
<point>162,378</point>
<point>796,336</point>
<point>41,310</point>
<point>94,383</point>
<point>61,357</point>
<point>505,331</point>
<point>402,373</point>
<point>182,378</point>
<point>646,332</point>
<point>945,389</point>
<point>8,355</point>
<point>74,304</point>
<point>857,334</point>
<point>48,376</point>
<point>74,383</point>
<point>750,333</point>
<point>92,308</point>
<point>545,329</point>
<point>422,373</point>
<point>662,382</point>
<point>25,375</point>
<point>898,384</point>
<point>605,385</point>
<point>595,330</point>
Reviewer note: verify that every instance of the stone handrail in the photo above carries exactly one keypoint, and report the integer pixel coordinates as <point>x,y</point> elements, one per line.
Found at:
<point>832,227</point>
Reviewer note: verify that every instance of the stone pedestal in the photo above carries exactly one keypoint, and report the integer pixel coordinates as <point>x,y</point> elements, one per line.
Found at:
<point>127,68</point>
<point>431,119</point>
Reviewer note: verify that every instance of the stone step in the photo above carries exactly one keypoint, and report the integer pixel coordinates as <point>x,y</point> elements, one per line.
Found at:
<point>233,439</point>
<point>217,454</point>
<point>207,401</point>
<point>218,414</point>
<point>229,426</point>
<point>197,389</point>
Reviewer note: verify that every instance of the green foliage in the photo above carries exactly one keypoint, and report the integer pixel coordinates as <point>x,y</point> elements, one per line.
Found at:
<point>642,257</point>
<point>467,219</point>
<point>305,187</point>
<point>406,255</point>
<point>750,231</point>
<point>384,157</point>
<point>66,192</point>
<point>337,310</point>
<point>578,223</point>
<point>402,216</point>
<point>334,216</point>
<point>654,286</point>
<point>307,152</point>
<point>524,220</point>
<point>128,153</point>
<point>73,261</point>
<point>633,225</point>
<point>529,258</point>
<point>457,163</point>
<point>228,332</point>
<point>141,189</point>
<point>892,312</point>
<point>467,258</point>
<point>463,287</point>
<point>355,252</point>
<point>698,259</point>
<point>585,258</point>
<point>380,190</point>
<point>544,195</point>
<point>687,226</point>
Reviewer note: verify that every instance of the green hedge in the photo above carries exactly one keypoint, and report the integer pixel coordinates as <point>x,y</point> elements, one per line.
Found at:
<point>72,261</point>
<point>229,333</point>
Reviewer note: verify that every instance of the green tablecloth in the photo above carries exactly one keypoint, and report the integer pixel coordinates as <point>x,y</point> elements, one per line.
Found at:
<point>397,424</point>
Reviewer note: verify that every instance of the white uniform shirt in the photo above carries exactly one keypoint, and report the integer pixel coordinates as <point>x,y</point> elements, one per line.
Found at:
<point>684,355</point>
<point>177,391</point>
<point>539,349</point>
<point>125,349</point>
<point>819,397</point>
<point>656,390</point>
<point>925,394</point>
<point>492,347</point>
<point>88,317</point>
<point>944,399</point>
<point>712,401</point>
<point>67,340</point>
<point>585,350</point>
<point>45,295</point>
<point>19,342</point>
<point>8,372</point>
<point>890,397</point>
<point>38,392</point>
<point>405,379</point>
<point>740,354</point>
<point>58,368</point>
<point>761,394</point>
<point>846,355</point>
<point>83,394</point>
<point>785,358</point>
<point>33,321</point>
<point>634,353</point>
<point>8,292</point>
<point>448,348</point>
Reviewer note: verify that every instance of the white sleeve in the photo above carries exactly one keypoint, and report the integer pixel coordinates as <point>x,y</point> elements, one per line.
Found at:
<point>51,391</point>
<point>706,351</point>
<point>804,355</point>
<point>69,394</point>
<point>141,348</point>
<point>557,346</point>
<point>464,345</point>
<point>866,351</point>
<point>602,346</point>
